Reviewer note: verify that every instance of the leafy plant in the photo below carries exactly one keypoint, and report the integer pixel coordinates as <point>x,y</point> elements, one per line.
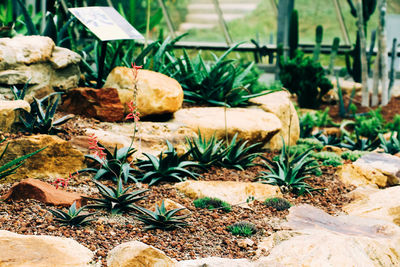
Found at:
<point>212,203</point>
<point>391,146</point>
<point>242,228</point>
<point>116,199</point>
<point>72,217</point>
<point>11,167</point>
<point>314,119</point>
<point>161,218</point>
<point>328,140</point>
<point>167,167</point>
<point>113,166</point>
<point>353,155</point>
<point>305,78</point>
<point>370,125</point>
<point>240,155</point>
<point>289,172</point>
<point>41,117</point>
<point>310,143</point>
<point>207,152</point>
<point>394,125</point>
<point>360,143</point>
<point>19,94</point>
<point>328,158</point>
<point>278,203</point>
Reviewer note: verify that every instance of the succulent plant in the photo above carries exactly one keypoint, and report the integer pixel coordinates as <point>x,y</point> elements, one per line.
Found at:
<point>212,203</point>
<point>278,203</point>
<point>242,228</point>
<point>73,216</point>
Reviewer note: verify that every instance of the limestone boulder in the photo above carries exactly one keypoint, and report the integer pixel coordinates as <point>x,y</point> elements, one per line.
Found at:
<point>37,61</point>
<point>254,125</point>
<point>103,104</point>
<point>135,254</point>
<point>157,93</point>
<point>280,105</point>
<point>56,161</point>
<point>43,192</point>
<point>381,204</point>
<point>38,251</point>
<point>318,239</point>
<point>232,192</point>
<point>9,113</point>
<point>372,168</point>
<point>215,262</point>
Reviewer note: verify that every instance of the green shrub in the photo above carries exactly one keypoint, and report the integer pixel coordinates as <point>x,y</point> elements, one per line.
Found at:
<point>278,203</point>
<point>328,158</point>
<point>212,203</point>
<point>242,228</point>
<point>371,125</point>
<point>394,125</point>
<point>310,143</point>
<point>353,155</point>
<point>310,120</point>
<point>306,79</point>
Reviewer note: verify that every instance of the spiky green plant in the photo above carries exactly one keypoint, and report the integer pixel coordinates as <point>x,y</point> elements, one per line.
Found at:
<point>167,167</point>
<point>161,218</point>
<point>72,217</point>
<point>207,152</point>
<point>242,228</point>
<point>391,146</point>
<point>278,203</point>
<point>212,203</point>
<point>116,199</point>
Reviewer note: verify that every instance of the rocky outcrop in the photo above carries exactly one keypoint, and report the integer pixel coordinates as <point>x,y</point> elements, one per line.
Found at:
<point>135,253</point>
<point>231,192</point>
<point>38,251</point>
<point>43,192</point>
<point>157,93</point>
<point>279,104</point>
<point>56,161</point>
<point>9,113</point>
<point>318,239</point>
<point>37,61</point>
<point>373,168</point>
<point>254,125</point>
<point>102,104</point>
<point>381,204</point>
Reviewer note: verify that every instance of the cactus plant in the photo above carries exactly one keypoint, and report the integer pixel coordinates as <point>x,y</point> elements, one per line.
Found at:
<point>319,31</point>
<point>334,51</point>
<point>293,34</point>
<point>354,70</point>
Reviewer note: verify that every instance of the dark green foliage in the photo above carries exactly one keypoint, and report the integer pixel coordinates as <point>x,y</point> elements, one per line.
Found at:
<point>167,167</point>
<point>289,172</point>
<point>114,166</point>
<point>116,199</point>
<point>394,125</point>
<point>19,94</point>
<point>360,143</point>
<point>330,140</point>
<point>207,152</point>
<point>221,83</point>
<point>371,125</point>
<point>161,218</point>
<point>72,217</point>
<point>314,119</point>
<point>278,203</point>
<point>9,168</point>
<point>328,158</point>
<point>212,203</point>
<point>242,228</point>
<point>353,155</point>
<point>391,146</point>
<point>368,8</point>
<point>335,48</point>
<point>240,155</point>
<point>305,78</point>
<point>41,117</point>
<point>293,33</point>
<point>319,31</point>
<point>355,70</point>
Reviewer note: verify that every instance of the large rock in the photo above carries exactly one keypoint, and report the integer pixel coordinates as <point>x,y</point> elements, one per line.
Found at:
<point>150,137</point>
<point>103,104</point>
<point>231,192</point>
<point>381,204</point>
<point>279,104</point>
<point>318,239</point>
<point>38,251</point>
<point>254,125</point>
<point>9,113</point>
<point>216,262</point>
<point>157,93</point>
<point>372,168</point>
<point>43,192</point>
<point>56,161</point>
<point>37,61</point>
<point>137,254</point>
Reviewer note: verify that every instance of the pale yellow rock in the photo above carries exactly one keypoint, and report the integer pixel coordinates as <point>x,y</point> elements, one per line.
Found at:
<point>138,254</point>
<point>41,250</point>
<point>9,113</point>
<point>347,86</point>
<point>216,262</point>
<point>231,192</point>
<point>157,93</point>
<point>381,204</point>
<point>279,104</point>
<point>58,160</point>
<point>62,57</point>
<point>254,125</point>
<point>318,239</point>
<point>351,174</point>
